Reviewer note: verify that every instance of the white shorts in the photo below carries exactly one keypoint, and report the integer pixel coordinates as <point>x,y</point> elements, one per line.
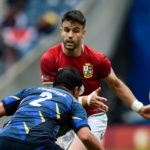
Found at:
<point>98,125</point>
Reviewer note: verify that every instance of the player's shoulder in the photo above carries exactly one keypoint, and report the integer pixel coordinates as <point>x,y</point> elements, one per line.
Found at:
<point>52,51</point>
<point>93,52</point>
<point>55,47</point>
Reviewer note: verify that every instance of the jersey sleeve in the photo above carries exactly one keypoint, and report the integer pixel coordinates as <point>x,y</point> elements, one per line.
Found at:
<point>79,117</point>
<point>105,66</point>
<point>47,68</point>
<point>12,102</point>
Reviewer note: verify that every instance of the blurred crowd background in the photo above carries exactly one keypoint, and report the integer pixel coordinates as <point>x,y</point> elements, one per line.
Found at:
<point>120,29</point>
<point>24,22</point>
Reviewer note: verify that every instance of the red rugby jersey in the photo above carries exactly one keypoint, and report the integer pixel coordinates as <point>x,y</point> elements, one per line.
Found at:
<point>92,65</point>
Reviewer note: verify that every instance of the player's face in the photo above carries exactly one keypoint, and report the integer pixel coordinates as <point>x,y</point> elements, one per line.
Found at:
<point>72,34</point>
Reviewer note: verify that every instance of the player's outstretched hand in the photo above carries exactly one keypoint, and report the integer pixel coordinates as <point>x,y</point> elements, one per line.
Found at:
<point>145,111</point>
<point>98,102</point>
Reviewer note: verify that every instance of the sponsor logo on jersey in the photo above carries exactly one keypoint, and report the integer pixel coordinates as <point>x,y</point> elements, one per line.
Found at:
<point>45,77</point>
<point>88,70</point>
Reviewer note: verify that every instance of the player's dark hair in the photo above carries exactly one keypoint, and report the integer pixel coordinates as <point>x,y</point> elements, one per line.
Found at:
<point>68,77</point>
<point>74,16</point>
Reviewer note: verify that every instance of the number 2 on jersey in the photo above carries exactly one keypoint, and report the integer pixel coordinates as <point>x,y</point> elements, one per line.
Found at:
<point>44,95</point>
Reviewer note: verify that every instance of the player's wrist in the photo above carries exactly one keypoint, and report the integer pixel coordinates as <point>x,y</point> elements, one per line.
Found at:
<point>89,99</point>
<point>83,100</point>
<point>136,105</point>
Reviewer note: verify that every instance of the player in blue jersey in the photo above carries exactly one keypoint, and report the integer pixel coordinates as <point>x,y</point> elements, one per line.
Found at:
<point>40,115</point>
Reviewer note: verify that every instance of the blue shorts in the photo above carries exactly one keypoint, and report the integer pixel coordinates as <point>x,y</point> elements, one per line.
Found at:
<point>15,144</point>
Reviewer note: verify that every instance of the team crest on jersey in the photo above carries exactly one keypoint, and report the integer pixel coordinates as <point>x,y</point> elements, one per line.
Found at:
<point>88,70</point>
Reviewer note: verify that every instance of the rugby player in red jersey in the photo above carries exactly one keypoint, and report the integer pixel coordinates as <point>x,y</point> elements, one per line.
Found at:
<point>93,66</point>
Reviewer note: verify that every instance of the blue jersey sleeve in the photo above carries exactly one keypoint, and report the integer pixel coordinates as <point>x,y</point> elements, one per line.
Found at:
<point>11,102</point>
<point>79,117</point>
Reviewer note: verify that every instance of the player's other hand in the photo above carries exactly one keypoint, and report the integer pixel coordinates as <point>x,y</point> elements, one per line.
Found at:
<point>145,111</point>
<point>97,101</point>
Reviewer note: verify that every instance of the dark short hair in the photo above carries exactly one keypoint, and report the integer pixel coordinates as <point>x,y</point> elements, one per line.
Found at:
<point>74,16</point>
<point>68,77</point>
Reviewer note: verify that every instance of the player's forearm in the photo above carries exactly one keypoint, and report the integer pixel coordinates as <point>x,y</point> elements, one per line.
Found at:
<point>2,110</point>
<point>89,140</point>
<point>124,93</point>
<point>92,143</point>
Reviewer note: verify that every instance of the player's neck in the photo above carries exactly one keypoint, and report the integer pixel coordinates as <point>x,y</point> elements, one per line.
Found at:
<point>64,88</point>
<point>74,53</point>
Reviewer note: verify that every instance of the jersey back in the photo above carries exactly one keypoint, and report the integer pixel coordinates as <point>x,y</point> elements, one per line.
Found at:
<point>42,114</point>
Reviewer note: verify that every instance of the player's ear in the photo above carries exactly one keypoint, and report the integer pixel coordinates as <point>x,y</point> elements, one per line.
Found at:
<point>81,90</point>
<point>76,92</point>
<point>83,32</point>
